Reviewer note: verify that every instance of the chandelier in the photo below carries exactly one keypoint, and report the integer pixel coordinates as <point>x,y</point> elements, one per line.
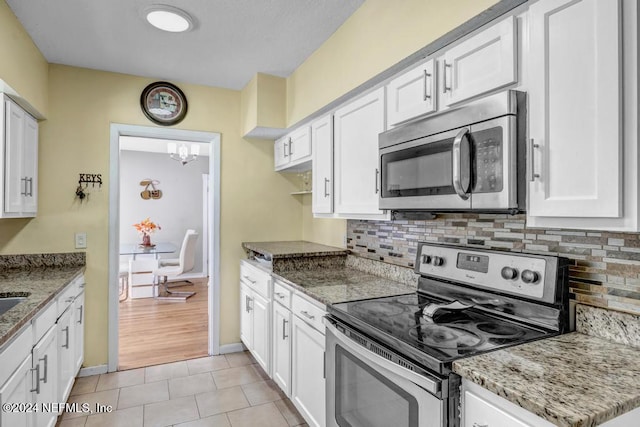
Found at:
<point>183,153</point>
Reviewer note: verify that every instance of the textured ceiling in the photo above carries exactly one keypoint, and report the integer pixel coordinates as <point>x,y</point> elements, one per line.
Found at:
<point>233,39</point>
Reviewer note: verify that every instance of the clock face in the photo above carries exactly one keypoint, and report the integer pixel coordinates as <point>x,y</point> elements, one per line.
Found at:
<point>163,103</point>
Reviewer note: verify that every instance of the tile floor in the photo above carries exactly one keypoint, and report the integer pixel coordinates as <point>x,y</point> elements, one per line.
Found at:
<point>220,391</point>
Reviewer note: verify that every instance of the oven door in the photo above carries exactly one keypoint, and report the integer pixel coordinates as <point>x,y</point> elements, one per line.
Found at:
<point>367,390</point>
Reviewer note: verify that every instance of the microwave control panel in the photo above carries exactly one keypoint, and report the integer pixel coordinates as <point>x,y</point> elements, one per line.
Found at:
<point>489,163</point>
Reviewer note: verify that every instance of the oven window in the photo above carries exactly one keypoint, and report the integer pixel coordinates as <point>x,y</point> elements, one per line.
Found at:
<point>424,170</point>
<point>364,398</point>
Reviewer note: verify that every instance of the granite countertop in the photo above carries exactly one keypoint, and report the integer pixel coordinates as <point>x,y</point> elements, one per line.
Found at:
<point>331,286</point>
<point>40,285</point>
<point>292,249</point>
<point>574,380</point>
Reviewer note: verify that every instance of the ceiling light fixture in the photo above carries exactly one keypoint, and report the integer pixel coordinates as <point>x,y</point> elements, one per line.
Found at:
<point>169,18</point>
<point>181,153</point>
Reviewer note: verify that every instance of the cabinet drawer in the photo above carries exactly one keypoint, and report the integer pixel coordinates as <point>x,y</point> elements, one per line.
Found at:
<point>308,312</point>
<point>44,320</point>
<point>66,297</point>
<point>282,294</point>
<point>255,279</point>
<point>479,412</point>
<point>13,353</point>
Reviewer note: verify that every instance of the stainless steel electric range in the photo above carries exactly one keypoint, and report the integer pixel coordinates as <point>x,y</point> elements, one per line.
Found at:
<point>388,360</point>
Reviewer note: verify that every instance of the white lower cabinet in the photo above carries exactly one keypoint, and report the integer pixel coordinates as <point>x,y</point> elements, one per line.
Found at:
<point>78,327</point>
<point>66,356</point>
<point>17,390</point>
<point>45,377</point>
<point>282,347</point>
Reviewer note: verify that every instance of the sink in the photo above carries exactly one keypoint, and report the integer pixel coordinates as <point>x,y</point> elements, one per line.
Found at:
<point>7,303</point>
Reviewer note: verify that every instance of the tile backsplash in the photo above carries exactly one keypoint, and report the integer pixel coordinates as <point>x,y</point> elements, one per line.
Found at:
<point>606,265</point>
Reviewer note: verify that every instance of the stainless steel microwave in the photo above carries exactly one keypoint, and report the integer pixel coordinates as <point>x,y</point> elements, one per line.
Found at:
<point>467,159</point>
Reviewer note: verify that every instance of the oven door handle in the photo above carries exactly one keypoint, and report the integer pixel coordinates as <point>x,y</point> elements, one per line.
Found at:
<point>461,164</point>
<point>382,363</point>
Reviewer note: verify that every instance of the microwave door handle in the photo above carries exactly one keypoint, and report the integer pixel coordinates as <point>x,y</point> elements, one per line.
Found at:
<point>460,158</point>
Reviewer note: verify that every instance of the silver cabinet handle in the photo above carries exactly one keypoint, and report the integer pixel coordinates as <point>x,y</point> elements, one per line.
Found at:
<point>66,345</point>
<point>30,188</point>
<point>445,88</point>
<point>532,162</point>
<point>426,85</point>
<point>246,303</point>
<point>284,149</point>
<point>250,279</point>
<point>377,187</point>
<point>290,147</point>
<point>461,163</point>
<point>279,295</point>
<point>69,300</point>
<point>37,387</point>
<point>326,181</point>
<point>45,359</point>
<point>81,308</point>
<point>284,329</point>
<point>480,425</point>
<point>23,181</point>
<point>307,315</point>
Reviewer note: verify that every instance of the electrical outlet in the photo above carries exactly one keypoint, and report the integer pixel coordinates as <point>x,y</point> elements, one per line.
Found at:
<point>81,240</point>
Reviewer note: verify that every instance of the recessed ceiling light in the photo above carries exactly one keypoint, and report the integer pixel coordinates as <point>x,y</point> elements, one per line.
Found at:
<point>169,18</point>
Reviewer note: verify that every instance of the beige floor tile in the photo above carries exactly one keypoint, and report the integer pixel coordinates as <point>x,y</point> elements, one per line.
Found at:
<point>266,415</point>
<point>142,394</point>
<point>236,376</point>
<point>171,412</point>
<point>104,398</point>
<point>120,379</point>
<point>215,421</point>
<point>262,392</point>
<point>289,412</point>
<point>130,417</point>
<point>219,401</point>
<point>84,385</point>
<point>166,371</point>
<point>193,384</point>
<point>207,364</point>
<point>74,422</point>
<point>239,359</point>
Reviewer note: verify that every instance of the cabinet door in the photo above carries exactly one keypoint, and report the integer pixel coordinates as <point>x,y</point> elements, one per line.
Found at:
<point>575,116</point>
<point>78,327</point>
<point>260,308</point>
<point>282,348</point>
<point>307,372</point>
<point>45,363</point>
<point>30,165</point>
<point>356,171</point>
<point>66,354</point>
<point>479,412</point>
<point>15,181</point>
<point>281,152</point>
<point>300,144</point>
<point>17,389</point>
<point>482,63</point>
<point>412,94</point>
<point>322,175</point>
<point>246,318</point>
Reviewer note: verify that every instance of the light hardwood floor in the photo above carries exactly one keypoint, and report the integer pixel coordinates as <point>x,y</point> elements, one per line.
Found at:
<point>152,332</point>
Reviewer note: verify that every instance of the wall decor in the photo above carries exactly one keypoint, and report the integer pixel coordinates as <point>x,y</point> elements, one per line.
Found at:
<point>163,103</point>
<point>83,184</point>
<point>154,193</point>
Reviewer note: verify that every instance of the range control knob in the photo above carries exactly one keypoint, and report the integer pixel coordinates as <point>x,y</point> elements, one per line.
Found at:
<point>437,261</point>
<point>509,273</point>
<point>426,259</point>
<point>529,276</point>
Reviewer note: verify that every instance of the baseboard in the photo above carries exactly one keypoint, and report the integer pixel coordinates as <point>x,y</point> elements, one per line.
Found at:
<point>232,348</point>
<point>93,370</point>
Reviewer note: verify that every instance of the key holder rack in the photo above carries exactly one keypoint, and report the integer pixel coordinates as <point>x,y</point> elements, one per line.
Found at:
<point>84,181</point>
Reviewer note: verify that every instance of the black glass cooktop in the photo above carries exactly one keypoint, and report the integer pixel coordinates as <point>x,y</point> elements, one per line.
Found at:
<point>447,336</point>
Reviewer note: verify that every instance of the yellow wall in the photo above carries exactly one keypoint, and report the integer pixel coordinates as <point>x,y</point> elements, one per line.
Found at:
<point>263,103</point>
<point>22,66</point>
<point>256,204</point>
<point>328,231</point>
<point>378,35</point>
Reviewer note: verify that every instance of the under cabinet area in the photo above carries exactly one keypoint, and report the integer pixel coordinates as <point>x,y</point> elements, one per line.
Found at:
<point>19,161</point>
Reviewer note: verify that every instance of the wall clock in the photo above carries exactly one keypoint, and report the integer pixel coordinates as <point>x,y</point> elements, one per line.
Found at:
<point>163,103</point>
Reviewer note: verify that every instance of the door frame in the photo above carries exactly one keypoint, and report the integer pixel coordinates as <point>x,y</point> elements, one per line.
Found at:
<point>116,131</point>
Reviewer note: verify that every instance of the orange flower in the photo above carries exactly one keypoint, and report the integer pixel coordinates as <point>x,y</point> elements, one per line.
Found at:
<point>146,226</point>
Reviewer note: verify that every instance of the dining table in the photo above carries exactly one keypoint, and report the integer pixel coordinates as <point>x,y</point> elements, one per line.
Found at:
<point>135,249</point>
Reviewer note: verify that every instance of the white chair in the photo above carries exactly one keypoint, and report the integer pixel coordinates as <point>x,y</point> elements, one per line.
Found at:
<point>175,267</point>
<point>123,279</point>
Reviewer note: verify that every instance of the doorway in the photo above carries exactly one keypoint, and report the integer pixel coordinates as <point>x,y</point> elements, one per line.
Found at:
<point>210,229</point>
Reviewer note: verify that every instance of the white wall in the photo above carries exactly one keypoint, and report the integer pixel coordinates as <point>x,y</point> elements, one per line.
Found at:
<point>179,208</point>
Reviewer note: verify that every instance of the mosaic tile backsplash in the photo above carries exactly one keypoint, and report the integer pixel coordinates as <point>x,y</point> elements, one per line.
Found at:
<point>606,265</point>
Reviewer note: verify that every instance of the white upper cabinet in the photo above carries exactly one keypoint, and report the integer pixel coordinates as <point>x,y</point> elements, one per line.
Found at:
<point>356,171</point>
<point>20,163</point>
<point>293,152</point>
<point>322,171</point>
<point>581,56</point>
<point>412,94</point>
<point>482,63</point>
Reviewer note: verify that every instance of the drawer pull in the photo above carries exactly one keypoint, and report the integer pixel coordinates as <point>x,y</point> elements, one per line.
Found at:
<point>250,279</point>
<point>307,315</point>
<point>69,300</point>
<point>279,295</point>
<point>480,425</point>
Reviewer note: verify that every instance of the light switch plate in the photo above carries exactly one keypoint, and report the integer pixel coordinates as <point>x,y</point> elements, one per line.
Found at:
<point>81,240</point>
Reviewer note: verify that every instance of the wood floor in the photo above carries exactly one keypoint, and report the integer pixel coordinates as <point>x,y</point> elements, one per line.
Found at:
<point>153,332</point>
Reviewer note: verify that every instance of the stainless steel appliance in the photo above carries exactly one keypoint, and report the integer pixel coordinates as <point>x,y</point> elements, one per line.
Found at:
<point>471,158</point>
<point>389,360</point>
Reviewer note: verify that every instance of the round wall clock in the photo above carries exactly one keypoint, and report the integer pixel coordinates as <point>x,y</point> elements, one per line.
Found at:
<point>163,103</point>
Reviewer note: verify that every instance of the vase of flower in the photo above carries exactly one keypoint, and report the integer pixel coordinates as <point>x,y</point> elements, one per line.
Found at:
<point>145,228</point>
<point>146,239</point>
